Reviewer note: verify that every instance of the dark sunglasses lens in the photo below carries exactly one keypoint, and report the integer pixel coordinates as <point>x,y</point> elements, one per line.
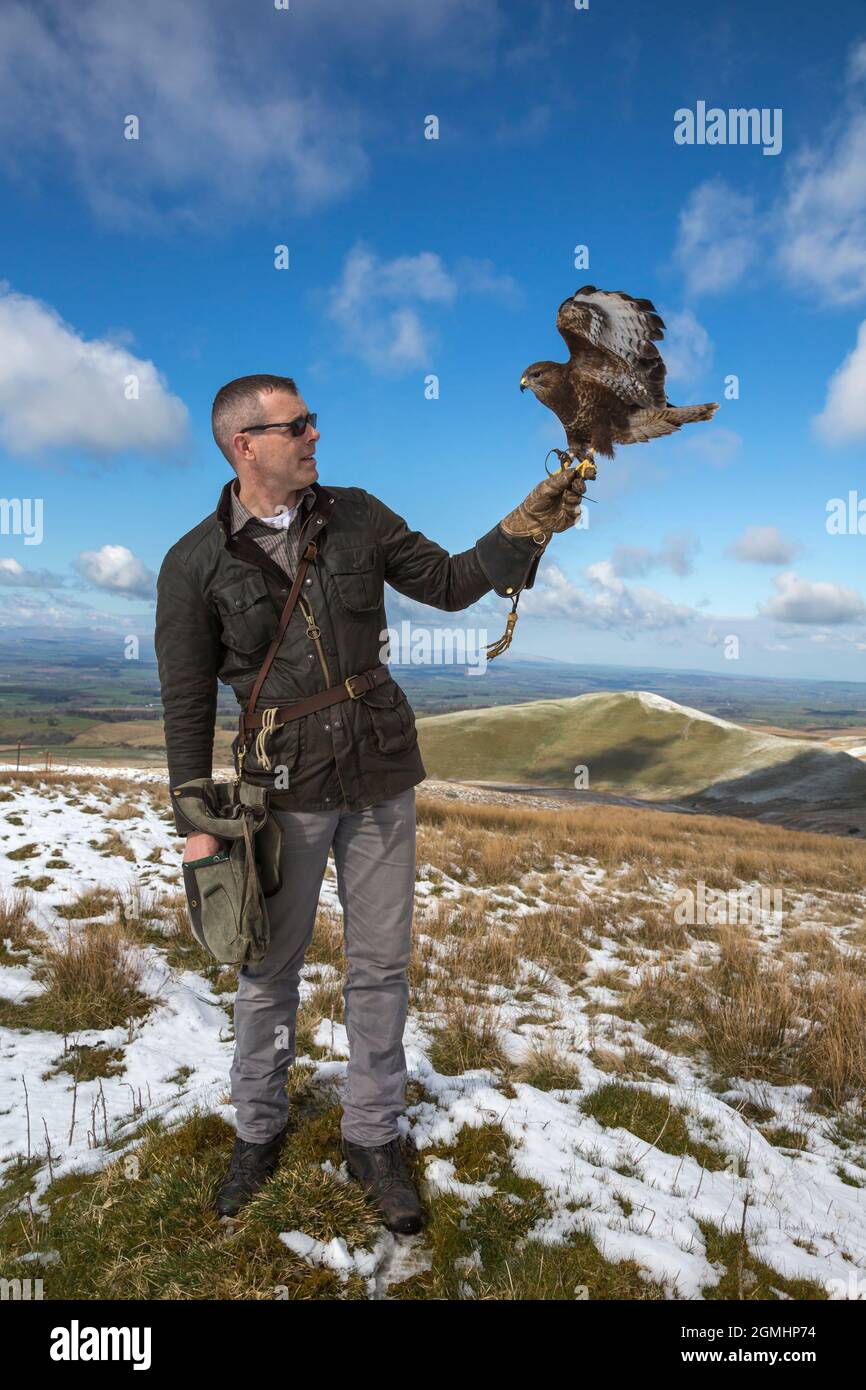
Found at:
<point>299,426</point>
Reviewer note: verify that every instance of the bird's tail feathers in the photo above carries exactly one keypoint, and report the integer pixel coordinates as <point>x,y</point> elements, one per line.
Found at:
<point>653,424</point>
<point>686,414</point>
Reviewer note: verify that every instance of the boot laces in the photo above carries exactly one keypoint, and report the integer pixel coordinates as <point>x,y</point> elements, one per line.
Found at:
<point>246,1158</point>
<point>390,1162</point>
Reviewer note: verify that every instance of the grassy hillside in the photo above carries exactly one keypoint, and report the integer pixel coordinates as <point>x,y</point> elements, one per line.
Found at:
<point>631,742</point>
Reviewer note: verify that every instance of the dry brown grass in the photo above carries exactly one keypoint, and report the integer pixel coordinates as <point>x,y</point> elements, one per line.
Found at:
<point>715,848</point>
<point>747,1007</point>
<point>658,931</point>
<point>114,846</point>
<point>480,856</point>
<point>468,1037</point>
<point>815,943</point>
<point>547,1067</point>
<point>16,925</point>
<point>484,960</point>
<point>424,980</point>
<point>86,783</point>
<point>657,1000</point>
<point>552,939</point>
<point>758,1017</point>
<point>832,1056</point>
<point>92,980</point>
<point>126,810</point>
<point>632,1063</point>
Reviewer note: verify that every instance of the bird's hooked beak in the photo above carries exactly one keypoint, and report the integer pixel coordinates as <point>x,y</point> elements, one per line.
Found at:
<point>523,383</point>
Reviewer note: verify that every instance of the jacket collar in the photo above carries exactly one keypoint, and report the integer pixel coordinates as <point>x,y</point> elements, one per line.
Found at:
<point>240,514</point>
<point>247,549</point>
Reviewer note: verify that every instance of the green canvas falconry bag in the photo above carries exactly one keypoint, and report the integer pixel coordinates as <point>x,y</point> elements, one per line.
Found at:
<point>226,891</point>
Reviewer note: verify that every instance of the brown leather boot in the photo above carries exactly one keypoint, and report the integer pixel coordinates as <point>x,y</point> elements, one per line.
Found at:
<point>382,1173</point>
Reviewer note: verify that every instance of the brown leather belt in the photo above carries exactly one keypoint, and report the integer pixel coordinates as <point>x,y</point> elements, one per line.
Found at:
<point>349,689</point>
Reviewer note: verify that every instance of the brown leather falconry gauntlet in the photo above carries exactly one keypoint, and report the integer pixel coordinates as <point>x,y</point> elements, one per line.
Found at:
<point>553,505</point>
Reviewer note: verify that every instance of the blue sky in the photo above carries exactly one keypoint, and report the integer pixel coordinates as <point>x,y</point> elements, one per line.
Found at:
<point>260,127</point>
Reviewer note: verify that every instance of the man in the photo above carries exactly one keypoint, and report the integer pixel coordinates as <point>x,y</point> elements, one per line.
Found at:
<point>342,777</point>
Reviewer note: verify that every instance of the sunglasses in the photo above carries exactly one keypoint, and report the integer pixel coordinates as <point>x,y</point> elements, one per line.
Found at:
<point>296,427</point>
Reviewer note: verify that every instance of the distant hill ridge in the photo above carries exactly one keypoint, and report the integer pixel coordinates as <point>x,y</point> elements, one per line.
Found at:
<point>634,743</point>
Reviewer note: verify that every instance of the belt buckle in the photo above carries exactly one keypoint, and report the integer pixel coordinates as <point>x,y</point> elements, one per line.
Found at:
<point>347,684</point>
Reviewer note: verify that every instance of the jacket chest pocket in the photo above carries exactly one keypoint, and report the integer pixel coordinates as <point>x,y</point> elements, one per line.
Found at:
<point>390,719</point>
<point>356,578</point>
<point>246,613</point>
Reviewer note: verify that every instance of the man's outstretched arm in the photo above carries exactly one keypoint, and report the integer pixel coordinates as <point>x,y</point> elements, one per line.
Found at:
<point>188,654</point>
<point>501,559</point>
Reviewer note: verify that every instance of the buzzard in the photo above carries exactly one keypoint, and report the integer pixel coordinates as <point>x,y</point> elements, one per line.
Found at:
<point>612,388</point>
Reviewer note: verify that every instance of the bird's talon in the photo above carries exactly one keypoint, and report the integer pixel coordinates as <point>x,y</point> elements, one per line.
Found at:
<point>565,462</point>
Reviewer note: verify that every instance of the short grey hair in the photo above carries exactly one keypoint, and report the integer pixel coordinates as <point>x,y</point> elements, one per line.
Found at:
<point>237,400</point>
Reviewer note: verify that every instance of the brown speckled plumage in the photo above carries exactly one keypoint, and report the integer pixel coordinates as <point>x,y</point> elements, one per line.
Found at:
<point>612,389</point>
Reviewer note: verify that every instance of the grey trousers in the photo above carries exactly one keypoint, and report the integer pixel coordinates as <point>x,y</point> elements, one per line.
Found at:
<point>374,855</point>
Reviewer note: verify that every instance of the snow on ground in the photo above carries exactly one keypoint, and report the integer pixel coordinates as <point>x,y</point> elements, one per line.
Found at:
<point>802,1218</point>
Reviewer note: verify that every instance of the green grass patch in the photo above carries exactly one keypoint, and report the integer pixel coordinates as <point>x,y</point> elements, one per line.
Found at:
<point>747,1278</point>
<point>650,1118</point>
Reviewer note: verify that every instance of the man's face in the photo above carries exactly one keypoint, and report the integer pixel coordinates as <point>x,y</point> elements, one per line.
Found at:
<point>277,454</point>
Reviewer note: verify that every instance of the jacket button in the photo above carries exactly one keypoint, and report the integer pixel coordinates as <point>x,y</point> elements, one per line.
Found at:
<point>338,723</point>
<point>308,581</point>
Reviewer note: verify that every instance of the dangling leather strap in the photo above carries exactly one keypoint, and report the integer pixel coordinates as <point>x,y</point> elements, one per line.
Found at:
<point>310,552</point>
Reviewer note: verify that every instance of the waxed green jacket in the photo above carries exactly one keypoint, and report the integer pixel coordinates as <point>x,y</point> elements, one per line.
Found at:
<point>219,599</point>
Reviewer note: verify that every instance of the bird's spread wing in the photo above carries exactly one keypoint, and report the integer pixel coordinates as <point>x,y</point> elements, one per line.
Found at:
<point>611,339</point>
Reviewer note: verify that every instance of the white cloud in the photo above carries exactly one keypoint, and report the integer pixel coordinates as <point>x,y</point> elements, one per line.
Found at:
<point>687,349</point>
<point>606,602</point>
<point>765,545</point>
<point>676,554</point>
<point>59,390</point>
<point>822,222</point>
<point>14,575</point>
<point>857,62</point>
<point>844,415</point>
<point>717,238</point>
<point>115,569</point>
<point>801,600</point>
<point>815,230</point>
<point>230,118</point>
<point>241,107</point>
<point>376,303</point>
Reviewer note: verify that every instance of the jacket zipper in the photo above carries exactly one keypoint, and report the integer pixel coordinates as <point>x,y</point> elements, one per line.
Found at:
<point>314,632</point>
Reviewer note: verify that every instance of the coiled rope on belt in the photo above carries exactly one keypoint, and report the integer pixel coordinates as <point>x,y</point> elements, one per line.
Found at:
<point>269,723</point>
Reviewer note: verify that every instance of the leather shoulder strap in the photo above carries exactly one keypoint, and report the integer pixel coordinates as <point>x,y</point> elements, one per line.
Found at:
<point>310,551</point>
